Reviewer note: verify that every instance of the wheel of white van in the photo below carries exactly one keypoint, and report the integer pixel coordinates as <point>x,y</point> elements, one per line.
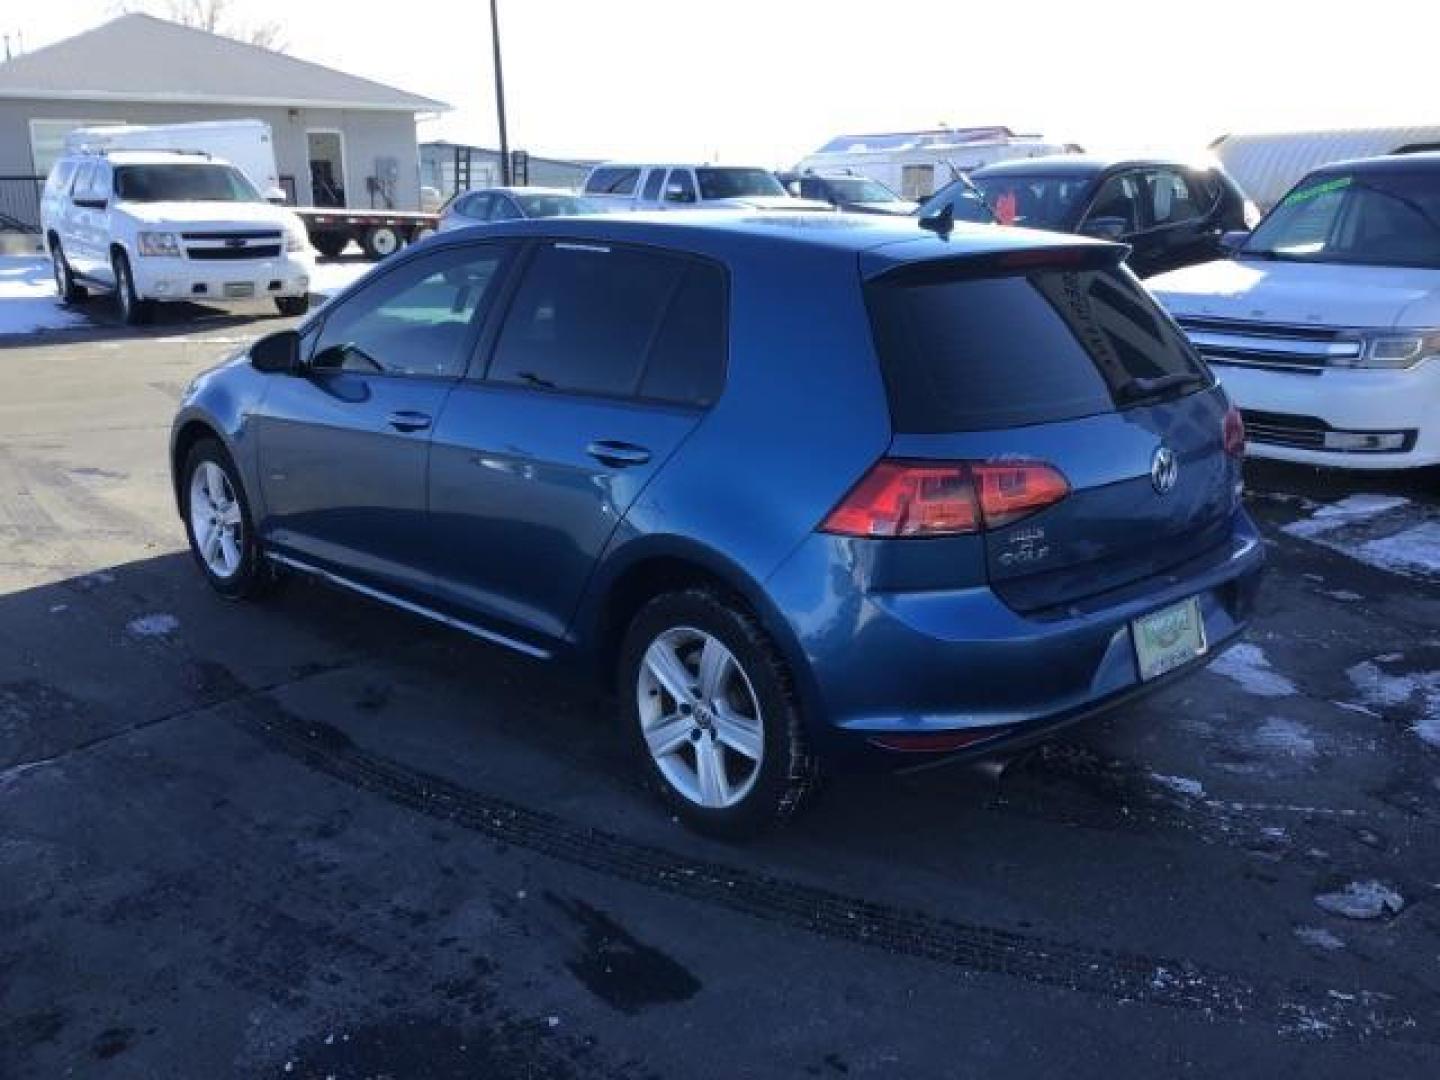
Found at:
<point>65,285</point>
<point>382,240</point>
<point>133,310</point>
<point>710,712</point>
<point>219,525</point>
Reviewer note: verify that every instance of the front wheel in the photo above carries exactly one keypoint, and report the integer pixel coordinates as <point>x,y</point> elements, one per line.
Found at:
<point>133,310</point>
<point>291,306</point>
<point>65,284</point>
<point>219,525</point>
<point>709,708</point>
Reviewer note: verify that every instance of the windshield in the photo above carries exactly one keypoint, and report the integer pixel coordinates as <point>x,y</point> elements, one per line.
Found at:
<point>183,183</point>
<point>1374,219</point>
<point>860,189</point>
<point>737,183</point>
<point>536,206</point>
<point>965,200</point>
<point>1036,202</point>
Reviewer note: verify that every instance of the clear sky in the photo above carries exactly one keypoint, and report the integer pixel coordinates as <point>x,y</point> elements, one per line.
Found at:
<point>766,81</point>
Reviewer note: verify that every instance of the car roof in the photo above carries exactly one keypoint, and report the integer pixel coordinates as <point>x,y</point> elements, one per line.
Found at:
<point>1421,162</point>
<point>521,189</point>
<point>1077,165</point>
<point>673,165</point>
<point>151,157</point>
<point>721,233</point>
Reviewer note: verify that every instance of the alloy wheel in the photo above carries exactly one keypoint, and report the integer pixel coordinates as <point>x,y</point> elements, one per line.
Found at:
<point>215,520</point>
<point>700,717</point>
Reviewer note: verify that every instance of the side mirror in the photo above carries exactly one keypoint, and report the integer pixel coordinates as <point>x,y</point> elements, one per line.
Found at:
<point>1233,240</point>
<point>1105,228</point>
<point>277,353</point>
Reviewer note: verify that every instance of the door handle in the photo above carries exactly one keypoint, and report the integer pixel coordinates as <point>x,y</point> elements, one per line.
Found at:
<point>618,454</point>
<point>406,420</point>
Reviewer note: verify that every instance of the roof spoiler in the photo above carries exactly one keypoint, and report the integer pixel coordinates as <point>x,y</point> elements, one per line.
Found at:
<point>1019,260</point>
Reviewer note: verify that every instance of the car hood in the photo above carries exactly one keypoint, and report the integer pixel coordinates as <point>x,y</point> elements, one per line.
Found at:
<point>894,209</point>
<point>769,202</point>
<point>216,215</point>
<point>1299,294</point>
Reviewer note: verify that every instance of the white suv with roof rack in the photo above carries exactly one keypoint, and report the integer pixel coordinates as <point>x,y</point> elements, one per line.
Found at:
<point>164,225</point>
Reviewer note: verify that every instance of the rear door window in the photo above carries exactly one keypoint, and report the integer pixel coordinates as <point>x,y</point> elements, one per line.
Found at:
<point>652,185</point>
<point>680,187</point>
<point>595,319</point>
<point>611,180</point>
<point>978,353</point>
<point>1173,198</point>
<point>1118,199</point>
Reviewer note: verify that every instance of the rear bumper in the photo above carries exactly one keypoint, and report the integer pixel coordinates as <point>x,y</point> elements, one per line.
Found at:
<point>1346,401</point>
<point>209,281</point>
<point>930,663</point>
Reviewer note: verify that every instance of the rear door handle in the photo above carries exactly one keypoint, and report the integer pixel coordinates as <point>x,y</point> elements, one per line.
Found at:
<point>619,454</point>
<point>406,420</point>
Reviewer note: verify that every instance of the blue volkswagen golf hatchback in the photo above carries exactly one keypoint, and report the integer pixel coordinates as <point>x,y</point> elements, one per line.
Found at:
<point>807,488</point>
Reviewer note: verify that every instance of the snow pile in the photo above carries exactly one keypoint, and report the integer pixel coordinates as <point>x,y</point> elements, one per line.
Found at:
<point>1247,665</point>
<point>1387,691</point>
<point>1411,551</point>
<point>1362,900</point>
<point>1384,531</point>
<point>27,297</point>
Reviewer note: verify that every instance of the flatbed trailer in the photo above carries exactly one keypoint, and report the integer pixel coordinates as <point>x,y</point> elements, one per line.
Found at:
<point>378,232</point>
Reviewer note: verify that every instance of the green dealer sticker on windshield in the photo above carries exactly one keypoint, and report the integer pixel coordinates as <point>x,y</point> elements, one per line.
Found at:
<point>1306,194</point>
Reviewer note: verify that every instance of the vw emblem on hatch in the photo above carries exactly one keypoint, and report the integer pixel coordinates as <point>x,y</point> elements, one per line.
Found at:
<point>1164,469</point>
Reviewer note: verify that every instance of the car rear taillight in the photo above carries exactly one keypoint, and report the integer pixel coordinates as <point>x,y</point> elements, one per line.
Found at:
<point>933,498</point>
<point>1234,429</point>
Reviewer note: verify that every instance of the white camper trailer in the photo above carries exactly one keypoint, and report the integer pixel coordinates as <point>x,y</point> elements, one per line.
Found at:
<point>1267,165</point>
<point>246,144</point>
<point>919,163</point>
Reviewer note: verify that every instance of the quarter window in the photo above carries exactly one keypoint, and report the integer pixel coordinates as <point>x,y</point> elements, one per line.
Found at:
<point>680,187</point>
<point>417,320</point>
<point>598,320</point>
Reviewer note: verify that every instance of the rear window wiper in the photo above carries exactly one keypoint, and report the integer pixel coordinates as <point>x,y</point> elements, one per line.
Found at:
<point>1136,389</point>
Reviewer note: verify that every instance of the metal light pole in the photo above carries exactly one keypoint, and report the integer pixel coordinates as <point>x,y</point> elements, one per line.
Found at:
<point>500,96</point>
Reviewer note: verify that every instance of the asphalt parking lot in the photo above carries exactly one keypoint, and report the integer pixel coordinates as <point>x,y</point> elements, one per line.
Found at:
<point>318,838</point>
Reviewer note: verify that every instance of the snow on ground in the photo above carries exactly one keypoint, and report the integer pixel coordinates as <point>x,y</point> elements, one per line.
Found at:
<point>28,303</point>
<point>330,277</point>
<point>1362,900</point>
<point>1281,736</point>
<point>1247,665</point>
<point>157,625</point>
<point>1385,531</point>
<point>1181,785</point>
<point>1385,690</point>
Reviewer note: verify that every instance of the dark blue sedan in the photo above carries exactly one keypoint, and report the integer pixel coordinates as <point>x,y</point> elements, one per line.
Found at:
<point>808,488</point>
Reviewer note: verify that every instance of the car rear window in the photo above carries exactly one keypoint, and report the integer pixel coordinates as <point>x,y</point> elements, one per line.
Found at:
<point>966,353</point>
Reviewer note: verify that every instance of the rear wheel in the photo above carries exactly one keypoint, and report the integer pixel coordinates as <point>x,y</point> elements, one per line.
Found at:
<point>291,306</point>
<point>382,240</point>
<point>219,525</point>
<point>65,284</point>
<point>133,310</point>
<point>708,708</point>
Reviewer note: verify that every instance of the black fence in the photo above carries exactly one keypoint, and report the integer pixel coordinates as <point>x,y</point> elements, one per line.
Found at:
<point>20,203</point>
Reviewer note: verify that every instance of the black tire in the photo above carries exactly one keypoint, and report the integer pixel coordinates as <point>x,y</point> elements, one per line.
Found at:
<point>133,310</point>
<point>382,241</point>
<point>330,244</point>
<point>70,292</point>
<point>787,773</point>
<point>291,306</point>
<point>255,576</point>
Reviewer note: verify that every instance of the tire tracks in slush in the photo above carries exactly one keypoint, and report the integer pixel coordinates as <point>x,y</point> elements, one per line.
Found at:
<point>1305,1010</point>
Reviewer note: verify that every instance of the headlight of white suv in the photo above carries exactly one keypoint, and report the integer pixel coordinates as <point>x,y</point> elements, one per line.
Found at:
<point>1393,350</point>
<point>157,243</point>
<point>296,240</point>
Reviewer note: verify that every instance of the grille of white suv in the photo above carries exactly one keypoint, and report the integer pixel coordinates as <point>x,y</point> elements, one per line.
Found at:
<point>261,244</point>
<point>1303,350</point>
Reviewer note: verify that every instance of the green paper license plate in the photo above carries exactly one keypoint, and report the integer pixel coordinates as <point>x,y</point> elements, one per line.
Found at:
<point>1168,638</point>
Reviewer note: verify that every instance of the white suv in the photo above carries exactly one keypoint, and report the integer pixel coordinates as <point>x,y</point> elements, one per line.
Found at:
<point>164,225</point>
<point>1324,326</point>
<point>691,187</point>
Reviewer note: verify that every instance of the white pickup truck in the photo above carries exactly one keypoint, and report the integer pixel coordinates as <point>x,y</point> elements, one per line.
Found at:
<point>155,225</point>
